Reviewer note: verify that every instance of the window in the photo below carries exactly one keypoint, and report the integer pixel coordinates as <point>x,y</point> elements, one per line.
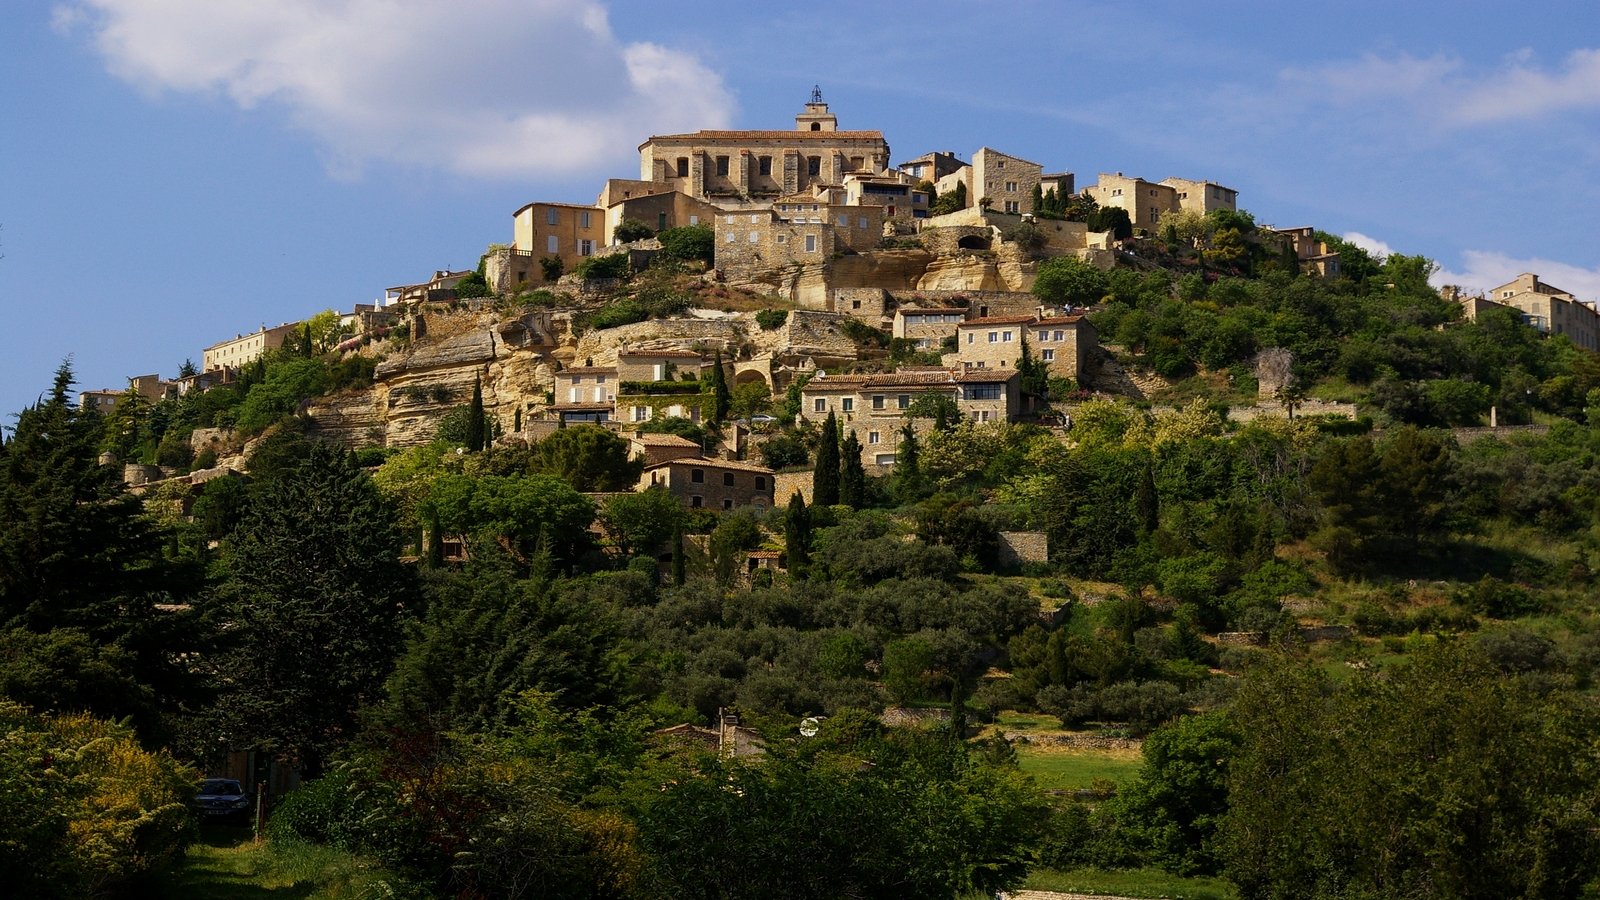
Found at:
<point>641,413</point>
<point>764,165</point>
<point>761,482</point>
<point>903,401</point>
<point>586,248</point>
<point>698,476</point>
<point>783,238</point>
<point>552,217</point>
<point>1000,164</point>
<point>861,222</point>
<point>755,219</point>
<point>877,401</point>
<point>983,392</point>
<point>970,336</point>
<point>1058,335</point>
<point>1005,337</point>
<point>755,238</point>
<point>1048,355</point>
<point>848,404</point>
<point>874,437</point>
<point>820,404</point>
<point>811,243</point>
<point>661,221</point>
<point>994,337</point>
<point>727,479</point>
<point>583,220</point>
<point>722,166</point>
<point>1011,186</point>
<point>731,238</point>
<point>983,415</point>
<point>1044,336</point>
<point>683,167</point>
<point>694,220</point>
<point>599,379</point>
<point>697,501</point>
<point>858,163</point>
<point>552,244</point>
<point>727,503</point>
<point>813,166</point>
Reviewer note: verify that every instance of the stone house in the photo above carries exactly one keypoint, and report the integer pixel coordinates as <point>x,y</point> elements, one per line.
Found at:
<point>931,167</point>
<point>1063,183</point>
<point>1314,255</point>
<point>442,286</point>
<point>585,395</point>
<point>895,195</point>
<point>1202,196</point>
<point>755,241</point>
<point>1146,202</point>
<point>1061,342</point>
<point>1551,310</point>
<point>570,232</point>
<point>743,167</point>
<point>1008,181</point>
<point>711,483</point>
<point>102,401</point>
<point>659,211</point>
<point>874,406</point>
<point>856,228</point>
<point>658,365</point>
<point>928,327</point>
<point>366,317</point>
<point>245,348</point>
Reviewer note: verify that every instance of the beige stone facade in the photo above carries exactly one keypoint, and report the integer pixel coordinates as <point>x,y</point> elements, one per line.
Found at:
<point>738,167</point>
<point>440,287</point>
<point>1314,256</point>
<point>712,483</point>
<point>1007,181</point>
<point>1145,201</point>
<point>655,449</point>
<point>1202,196</point>
<point>931,167</point>
<point>657,211</point>
<point>245,347</point>
<point>928,327</point>
<point>658,365</point>
<point>1551,310</point>
<point>1062,342</point>
<point>874,406</point>
<point>569,231</point>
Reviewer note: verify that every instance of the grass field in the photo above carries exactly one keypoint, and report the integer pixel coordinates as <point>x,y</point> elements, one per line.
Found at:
<point>227,865</point>
<point>1067,770</point>
<point>1144,883</point>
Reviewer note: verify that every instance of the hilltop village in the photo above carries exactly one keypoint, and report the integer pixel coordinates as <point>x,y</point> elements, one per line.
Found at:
<point>808,262</point>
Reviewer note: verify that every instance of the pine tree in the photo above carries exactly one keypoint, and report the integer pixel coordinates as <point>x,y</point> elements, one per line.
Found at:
<point>825,486</point>
<point>476,429</point>
<point>852,477</point>
<point>305,341</point>
<point>721,397</point>
<point>797,534</point>
<point>317,600</point>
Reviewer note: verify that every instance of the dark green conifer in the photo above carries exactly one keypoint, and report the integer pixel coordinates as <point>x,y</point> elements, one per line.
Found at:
<point>825,485</point>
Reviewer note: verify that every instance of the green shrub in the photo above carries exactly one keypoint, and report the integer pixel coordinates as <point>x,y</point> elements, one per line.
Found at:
<point>618,313</point>
<point>770,319</point>
<point>614,265</point>
<point>322,812</point>
<point>689,243</point>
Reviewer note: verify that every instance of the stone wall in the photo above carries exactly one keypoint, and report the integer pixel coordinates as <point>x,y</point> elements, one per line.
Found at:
<point>785,484</point>
<point>1018,547</point>
<point>869,304</point>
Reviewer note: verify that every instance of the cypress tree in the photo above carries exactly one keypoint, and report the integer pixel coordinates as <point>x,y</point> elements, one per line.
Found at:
<point>305,341</point>
<point>961,195</point>
<point>1148,504</point>
<point>721,397</point>
<point>1038,199</point>
<point>825,486</point>
<point>852,477</point>
<point>908,465</point>
<point>475,423</point>
<point>797,534</point>
<point>679,575</point>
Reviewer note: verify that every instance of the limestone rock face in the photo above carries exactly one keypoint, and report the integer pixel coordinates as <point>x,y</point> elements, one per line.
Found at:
<point>349,418</point>
<point>963,273</point>
<point>891,270</point>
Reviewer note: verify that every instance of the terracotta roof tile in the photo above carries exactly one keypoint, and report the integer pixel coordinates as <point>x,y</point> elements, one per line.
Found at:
<point>770,135</point>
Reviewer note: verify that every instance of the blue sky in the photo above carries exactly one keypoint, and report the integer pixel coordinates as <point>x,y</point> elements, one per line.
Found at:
<point>173,173</point>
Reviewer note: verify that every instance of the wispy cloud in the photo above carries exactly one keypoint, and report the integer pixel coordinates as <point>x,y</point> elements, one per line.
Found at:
<point>1372,245</point>
<point>497,88</point>
<point>1445,91</point>
<point>1484,269</point>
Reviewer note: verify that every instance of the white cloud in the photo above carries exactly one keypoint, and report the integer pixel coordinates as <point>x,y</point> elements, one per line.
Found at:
<point>1484,269</point>
<point>1445,91</point>
<point>1378,249</point>
<point>497,88</point>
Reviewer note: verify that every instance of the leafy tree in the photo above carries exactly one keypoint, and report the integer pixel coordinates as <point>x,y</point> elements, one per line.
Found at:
<point>782,451</point>
<point>1171,812</point>
<point>852,477</point>
<point>472,285</point>
<point>941,408</point>
<point>1452,780</point>
<point>688,243</point>
<point>551,267</point>
<point>771,319</point>
<point>1067,280</point>
<point>287,382</point>
<point>589,457</point>
<point>631,230</point>
<point>640,522</point>
<point>317,603</point>
<point>825,480</point>
<point>750,398</point>
<point>521,515</point>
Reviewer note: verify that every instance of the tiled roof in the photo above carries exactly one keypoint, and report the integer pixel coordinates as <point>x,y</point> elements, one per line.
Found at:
<point>581,407</point>
<point>589,370</point>
<point>930,310</point>
<point>659,354</point>
<point>650,439</point>
<point>998,320</point>
<point>703,463</point>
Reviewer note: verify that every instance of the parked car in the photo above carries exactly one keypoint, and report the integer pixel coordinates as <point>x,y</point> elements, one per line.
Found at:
<point>222,799</point>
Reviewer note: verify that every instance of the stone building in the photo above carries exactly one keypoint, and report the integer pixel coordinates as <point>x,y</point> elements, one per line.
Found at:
<point>585,395</point>
<point>1202,196</point>
<point>245,348</point>
<point>1146,202</point>
<point>928,327</point>
<point>655,449</point>
<point>657,211</point>
<point>1007,181</point>
<point>711,483</point>
<point>760,240</point>
<point>1314,255</point>
<point>874,406</point>
<point>442,286</point>
<point>731,168</point>
<point>931,167</point>
<point>102,401</point>
<point>567,231</point>
<point>658,365</point>
<point>1551,310</point>
<point>1061,342</point>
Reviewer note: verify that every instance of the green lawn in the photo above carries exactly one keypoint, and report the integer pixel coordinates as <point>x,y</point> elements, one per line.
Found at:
<point>227,865</point>
<point>1068,770</point>
<point>1151,883</point>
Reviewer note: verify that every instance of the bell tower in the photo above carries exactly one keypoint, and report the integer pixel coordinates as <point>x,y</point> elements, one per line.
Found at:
<point>816,117</point>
